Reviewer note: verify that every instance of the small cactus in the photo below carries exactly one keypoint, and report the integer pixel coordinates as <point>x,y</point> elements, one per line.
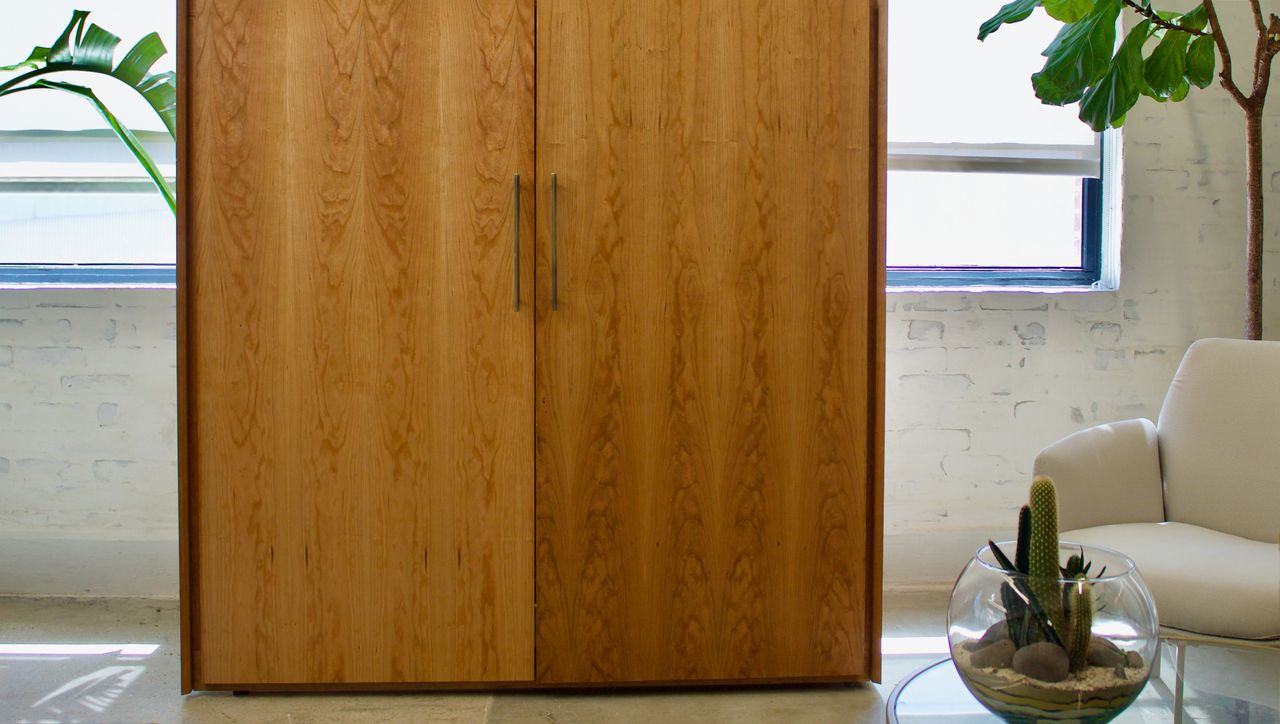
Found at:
<point>1042,560</point>
<point>1080,606</point>
<point>1042,601</point>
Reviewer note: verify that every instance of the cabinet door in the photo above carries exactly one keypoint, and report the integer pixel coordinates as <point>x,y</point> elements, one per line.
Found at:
<point>359,380</point>
<point>706,478</point>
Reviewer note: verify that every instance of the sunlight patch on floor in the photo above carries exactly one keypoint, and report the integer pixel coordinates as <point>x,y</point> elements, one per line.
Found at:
<point>77,649</point>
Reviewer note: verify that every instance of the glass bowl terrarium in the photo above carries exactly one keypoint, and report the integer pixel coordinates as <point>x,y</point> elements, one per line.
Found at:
<point>1041,630</point>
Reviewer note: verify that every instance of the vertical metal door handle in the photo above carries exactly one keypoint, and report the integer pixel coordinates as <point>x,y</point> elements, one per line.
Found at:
<point>555,246</point>
<point>516,224</point>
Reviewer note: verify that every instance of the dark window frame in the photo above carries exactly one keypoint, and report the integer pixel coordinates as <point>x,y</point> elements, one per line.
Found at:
<point>89,274</point>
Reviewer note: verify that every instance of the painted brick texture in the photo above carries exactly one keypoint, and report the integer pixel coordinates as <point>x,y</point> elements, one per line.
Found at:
<point>87,414</point>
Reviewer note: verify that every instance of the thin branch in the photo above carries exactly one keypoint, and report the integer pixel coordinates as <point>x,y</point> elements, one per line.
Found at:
<point>1268,47</point>
<point>1260,61</point>
<point>1258,22</point>
<point>1160,22</point>
<point>1228,80</point>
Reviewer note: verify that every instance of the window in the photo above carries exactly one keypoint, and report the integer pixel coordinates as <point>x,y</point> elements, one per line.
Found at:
<point>986,186</point>
<point>75,207</point>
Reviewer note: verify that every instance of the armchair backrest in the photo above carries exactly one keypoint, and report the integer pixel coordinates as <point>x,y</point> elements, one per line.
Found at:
<point>1220,439</point>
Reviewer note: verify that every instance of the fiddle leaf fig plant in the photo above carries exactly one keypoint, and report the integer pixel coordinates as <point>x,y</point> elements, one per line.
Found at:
<point>91,49</point>
<point>1161,57</point>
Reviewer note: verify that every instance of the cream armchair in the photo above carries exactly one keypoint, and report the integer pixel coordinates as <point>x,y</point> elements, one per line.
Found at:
<point>1194,499</point>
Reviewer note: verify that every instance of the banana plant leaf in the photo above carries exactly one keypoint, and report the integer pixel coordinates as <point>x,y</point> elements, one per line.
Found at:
<point>92,49</point>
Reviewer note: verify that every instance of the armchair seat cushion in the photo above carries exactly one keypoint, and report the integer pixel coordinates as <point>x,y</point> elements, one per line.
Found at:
<point>1203,580</point>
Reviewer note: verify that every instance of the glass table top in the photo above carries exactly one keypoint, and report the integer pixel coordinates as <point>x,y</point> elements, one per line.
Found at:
<point>935,694</point>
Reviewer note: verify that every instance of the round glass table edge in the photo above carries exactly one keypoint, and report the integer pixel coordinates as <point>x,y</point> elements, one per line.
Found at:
<point>1156,698</point>
<point>891,704</point>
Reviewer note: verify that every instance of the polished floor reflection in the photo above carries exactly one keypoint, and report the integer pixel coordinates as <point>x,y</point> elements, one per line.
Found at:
<point>116,660</point>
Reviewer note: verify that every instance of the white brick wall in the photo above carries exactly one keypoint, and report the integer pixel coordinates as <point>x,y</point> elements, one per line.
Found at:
<point>88,498</point>
<point>977,383</point>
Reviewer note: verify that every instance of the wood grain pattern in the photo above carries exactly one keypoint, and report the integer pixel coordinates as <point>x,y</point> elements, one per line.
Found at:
<point>706,481</point>
<point>360,388</point>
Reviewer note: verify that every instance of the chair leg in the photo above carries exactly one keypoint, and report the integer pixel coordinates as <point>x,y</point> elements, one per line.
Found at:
<point>1180,670</point>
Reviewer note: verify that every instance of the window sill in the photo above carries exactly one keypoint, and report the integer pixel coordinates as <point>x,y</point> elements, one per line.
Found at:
<point>1009,280</point>
<point>995,289</point>
<point>35,277</point>
<point>6,286</point>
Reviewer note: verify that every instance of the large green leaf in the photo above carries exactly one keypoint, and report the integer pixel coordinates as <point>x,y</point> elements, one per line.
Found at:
<point>1196,19</point>
<point>130,140</point>
<point>1179,93</point>
<point>96,51</point>
<point>37,58</point>
<point>92,50</point>
<point>1165,68</point>
<point>139,59</point>
<point>1079,56</point>
<point>1014,12</point>
<point>61,52</point>
<point>1106,103</point>
<point>1202,60</point>
<point>161,92</point>
<point>1068,11</point>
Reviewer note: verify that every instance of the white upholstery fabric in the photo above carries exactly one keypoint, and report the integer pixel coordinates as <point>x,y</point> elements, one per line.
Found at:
<point>1203,580</point>
<point>1106,474</point>
<point>1220,439</point>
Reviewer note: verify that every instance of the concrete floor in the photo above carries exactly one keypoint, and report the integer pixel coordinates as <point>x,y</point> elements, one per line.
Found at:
<point>59,686</point>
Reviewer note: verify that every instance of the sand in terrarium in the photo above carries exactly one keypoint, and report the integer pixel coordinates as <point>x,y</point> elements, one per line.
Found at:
<point>1095,691</point>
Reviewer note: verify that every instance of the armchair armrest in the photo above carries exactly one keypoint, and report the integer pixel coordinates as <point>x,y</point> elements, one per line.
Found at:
<point>1106,474</point>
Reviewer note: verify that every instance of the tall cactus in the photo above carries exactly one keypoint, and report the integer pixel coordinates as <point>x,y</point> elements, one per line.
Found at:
<point>1042,563</point>
<point>1080,606</point>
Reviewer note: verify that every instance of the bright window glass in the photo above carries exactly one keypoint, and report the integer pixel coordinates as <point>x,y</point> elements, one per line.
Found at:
<point>69,191</point>
<point>977,219</point>
<point>982,175</point>
<point>946,87</point>
<point>50,228</point>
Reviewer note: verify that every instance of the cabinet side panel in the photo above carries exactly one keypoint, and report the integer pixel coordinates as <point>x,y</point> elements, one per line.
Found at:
<point>876,413</point>
<point>186,592</point>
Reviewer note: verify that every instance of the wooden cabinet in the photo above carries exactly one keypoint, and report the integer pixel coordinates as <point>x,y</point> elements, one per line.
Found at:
<point>393,473</point>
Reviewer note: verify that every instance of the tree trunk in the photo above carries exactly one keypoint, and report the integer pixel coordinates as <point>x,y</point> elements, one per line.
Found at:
<point>1253,254</point>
